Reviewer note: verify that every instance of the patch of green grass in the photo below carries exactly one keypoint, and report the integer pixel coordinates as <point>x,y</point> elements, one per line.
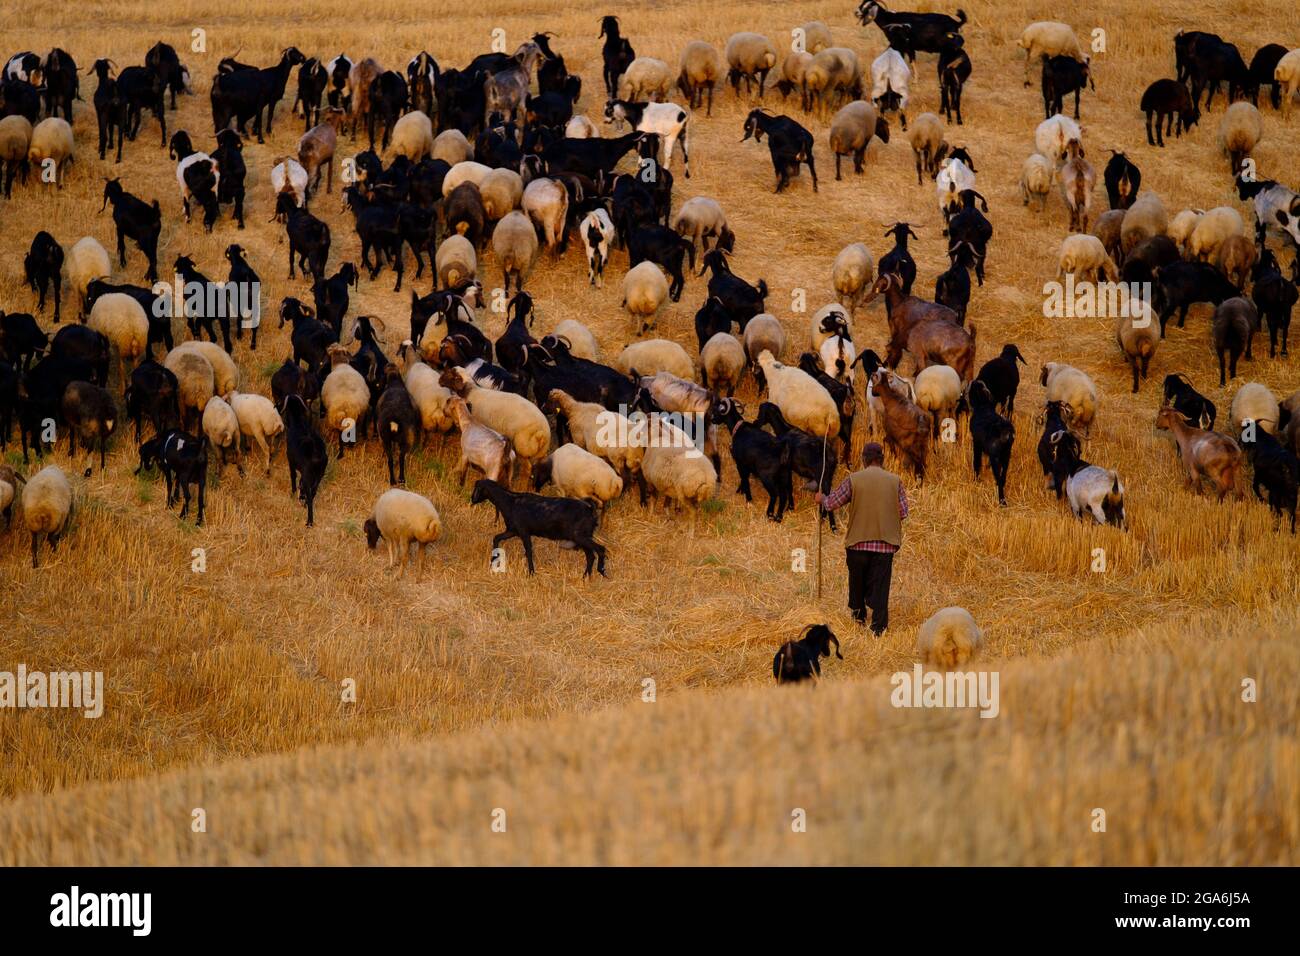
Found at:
<point>349,527</point>
<point>713,506</point>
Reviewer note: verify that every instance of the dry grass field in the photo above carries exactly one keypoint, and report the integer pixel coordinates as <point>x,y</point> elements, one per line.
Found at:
<point>477,690</point>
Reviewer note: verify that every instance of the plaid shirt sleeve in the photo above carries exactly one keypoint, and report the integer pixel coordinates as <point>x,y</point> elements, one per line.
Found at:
<point>841,496</point>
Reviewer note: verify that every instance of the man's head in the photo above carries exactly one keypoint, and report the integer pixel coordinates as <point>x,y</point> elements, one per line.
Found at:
<point>873,454</point>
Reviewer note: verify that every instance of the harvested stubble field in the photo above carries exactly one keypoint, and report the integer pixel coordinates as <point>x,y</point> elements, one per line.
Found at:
<point>476,690</point>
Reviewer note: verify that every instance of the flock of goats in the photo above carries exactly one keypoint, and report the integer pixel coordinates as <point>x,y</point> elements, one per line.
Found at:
<point>494,156</point>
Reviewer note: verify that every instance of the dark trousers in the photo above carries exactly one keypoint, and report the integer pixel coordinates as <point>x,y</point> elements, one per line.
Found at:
<point>869,576</point>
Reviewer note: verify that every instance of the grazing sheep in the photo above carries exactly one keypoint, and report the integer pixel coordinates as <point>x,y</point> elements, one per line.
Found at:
<point>258,420</point>
<point>1237,257</point>
<point>403,518</point>
<point>646,78</point>
<point>702,218</point>
<point>345,398</point>
<point>852,274</point>
<point>1287,76</point>
<point>195,384</point>
<point>1255,402</point>
<point>1065,383</point>
<point>1084,257</point>
<point>653,356</point>
<point>452,148</point>
<point>582,344</point>
<point>484,448</point>
<point>1142,220</point>
<point>1138,338</point>
<point>722,363</point>
<point>1205,454</point>
<point>413,136</point>
<point>86,261</point>
<point>793,70</point>
<point>15,139</point>
<point>1210,232</point>
<point>221,425</point>
<point>852,130</point>
<point>1240,131</point>
<point>577,473</point>
<point>928,145</point>
<point>749,56</point>
<point>938,390</point>
<point>456,262</point>
<point>502,190</point>
<point>816,36</point>
<point>1053,136</point>
<point>1048,38</point>
<point>1181,227</point>
<point>701,71</point>
<point>464,172</point>
<point>674,470</point>
<point>763,333</point>
<point>645,290</point>
<point>52,143</point>
<point>1036,178</point>
<point>1236,320</point>
<point>47,506</point>
<point>802,400</point>
<point>1109,228</point>
<point>681,396</point>
<point>833,75</point>
<point>514,416</point>
<point>224,370</point>
<point>949,638</point>
<point>430,398</point>
<point>515,245</point>
<point>122,320</point>
<point>799,660</point>
<point>546,202</point>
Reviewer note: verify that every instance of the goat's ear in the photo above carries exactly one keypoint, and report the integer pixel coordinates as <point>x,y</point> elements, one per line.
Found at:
<point>830,636</point>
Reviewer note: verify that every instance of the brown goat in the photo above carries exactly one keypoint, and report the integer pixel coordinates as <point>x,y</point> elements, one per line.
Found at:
<point>1237,256</point>
<point>1078,179</point>
<point>907,426</point>
<point>1205,454</point>
<point>316,149</point>
<point>362,75</point>
<point>929,331</point>
<point>1235,323</point>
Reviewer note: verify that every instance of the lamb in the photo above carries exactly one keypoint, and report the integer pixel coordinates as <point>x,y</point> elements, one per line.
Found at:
<point>803,402</point>
<point>345,398</point>
<point>258,420</point>
<point>1084,257</point>
<point>1254,402</point>
<point>1205,454</point>
<point>413,136</point>
<point>722,363</point>
<point>645,290</point>
<point>582,344</point>
<point>949,638</point>
<point>1048,38</point>
<point>928,146</point>
<point>652,356</point>
<point>1053,136</point>
<point>1138,338</point>
<point>891,84</point>
<point>702,219</point>
<point>646,78</point>
<point>1211,230</point>
<point>403,518</point>
<point>86,261</point>
<point>47,507</point>
<point>1142,220</point>
<point>938,390</point>
<point>455,261</point>
<point>1287,77</point>
<point>1036,178</point>
<point>15,139</point>
<point>1240,131</point>
<point>799,660</point>
<point>514,416</point>
<point>527,516</point>
<point>852,274</point>
<point>52,144</point>
<point>221,425</point>
<point>577,473</point>
<point>194,380</point>
<point>751,56</point>
<point>224,370</point>
<point>487,450</point>
<point>1236,321</point>
<point>852,130</point>
<point>122,320</point>
<point>1065,383</point>
<point>515,245</point>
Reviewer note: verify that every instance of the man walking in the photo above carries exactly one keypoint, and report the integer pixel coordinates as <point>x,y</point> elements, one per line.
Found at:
<point>875,532</point>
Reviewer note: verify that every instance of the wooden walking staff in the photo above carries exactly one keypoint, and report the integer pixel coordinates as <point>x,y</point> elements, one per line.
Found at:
<point>820,481</point>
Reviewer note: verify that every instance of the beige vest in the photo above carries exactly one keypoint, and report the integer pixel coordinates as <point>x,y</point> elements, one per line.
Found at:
<point>873,512</point>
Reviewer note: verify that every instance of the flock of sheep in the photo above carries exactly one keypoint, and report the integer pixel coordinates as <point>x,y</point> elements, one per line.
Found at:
<point>479,161</point>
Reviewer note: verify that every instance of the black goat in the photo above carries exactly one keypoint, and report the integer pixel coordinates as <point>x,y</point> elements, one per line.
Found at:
<point>898,260</point>
<point>1275,296</point>
<point>1276,469</point>
<point>659,244</point>
<point>154,394</point>
<point>304,450</point>
<point>111,110</point>
<point>229,157</point>
<point>21,339</point>
<point>800,660</point>
<point>757,453</point>
<point>183,460</point>
<point>309,237</point>
<point>927,31</point>
<point>811,458</point>
<point>206,310</point>
<point>311,338</point>
<point>389,96</point>
<point>1063,75</point>
<point>1002,379</point>
<point>312,80</point>
<point>43,268</point>
<point>971,228</point>
<point>399,422</point>
<point>84,344</point>
<point>376,226</point>
<point>90,414</point>
<point>1188,402</point>
<point>594,157</point>
<point>331,297</point>
<point>242,94</point>
<point>1123,180</point>
<point>991,436</point>
<point>952,288</point>
<point>741,300</point>
<point>162,59</point>
<point>788,142</point>
<point>291,379</point>
<point>135,219</point>
<point>1236,320</point>
<point>61,84</point>
<point>1165,99</point>
<point>954,71</point>
<point>617,53</point>
<point>1262,70</point>
<point>512,346</point>
<point>570,521</point>
<point>1212,62</point>
<point>39,396</point>
<point>1180,285</point>
<point>142,87</point>
<point>244,288</point>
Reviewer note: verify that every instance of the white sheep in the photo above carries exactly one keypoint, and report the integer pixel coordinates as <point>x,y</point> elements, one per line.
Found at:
<point>429,396</point>
<point>675,470</point>
<point>1084,257</point>
<point>1138,337</point>
<point>52,143</point>
<point>655,355</point>
<point>1048,38</point>
<point>1098,491</point>
<point>577,473</point>
<point>763,333</point>
<point>803,402</point>
<point>484,448</point>
<point>1240,131</point>
<point>1142,220</point>
<point>749,55</point>
<point>937,389</point>
<point>194,380</point>
<point>582,344</point>
<point>581,127</point>
<point>221,425</point>
<point>122,321</point>
<point>892,77</point>
<point>1287,76</point>
<point>501,190</point>
<point>452,147</point>
<point>722,362</point>
<point>1054,134</point>
<point>413,136</point>
<point>15,139</point>
<point>258,420</point>
<point>47,505</point>
<point>455,261</point>
<point>1210,232</point>
<point>1065,383</point>
<point>602,432</point>
<point>345,397</point>
<point>512,415</point>
<point>515,245</point>
<point>646,78</point>
<point>1181,226</point>
<point>225,371</point>
<point>290,176</point>
<point>645,290</point>
<point>702,218</point>
<point>851,275</point>
<point>546,202</point>
<point>700,71</point>
<point>949,638</point>
<point>86,261</point>
<point>403,518</point>
<point>1036,178</point>
<point>467,171</point>
<point>928,146</point>
<point>1254,402</point>
<point>597,233</point>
